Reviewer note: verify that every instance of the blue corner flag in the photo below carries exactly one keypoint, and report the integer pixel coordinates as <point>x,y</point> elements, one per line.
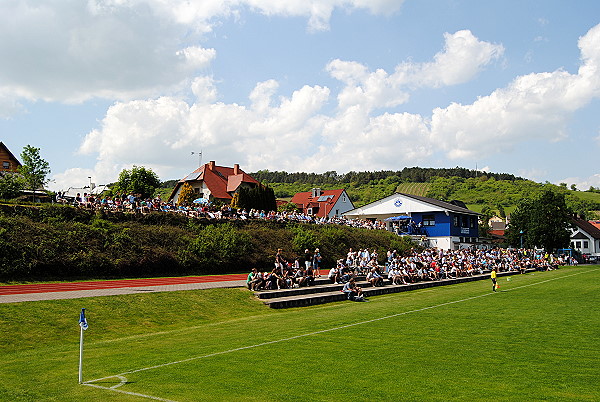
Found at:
<point>82,321</point>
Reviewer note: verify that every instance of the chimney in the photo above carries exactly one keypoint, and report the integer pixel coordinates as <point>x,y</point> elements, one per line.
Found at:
<point>211,165</point>
<point>236,169</point>
<point>316,192</point>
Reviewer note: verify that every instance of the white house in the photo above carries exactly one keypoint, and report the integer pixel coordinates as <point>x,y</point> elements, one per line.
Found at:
<point>585,237</point>
<point>445,225</point>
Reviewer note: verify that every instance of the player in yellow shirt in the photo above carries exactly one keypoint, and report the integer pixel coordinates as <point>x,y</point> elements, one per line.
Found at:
<point>493,276</point>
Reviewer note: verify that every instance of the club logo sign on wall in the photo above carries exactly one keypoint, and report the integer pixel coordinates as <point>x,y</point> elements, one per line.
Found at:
<point>398,202</point>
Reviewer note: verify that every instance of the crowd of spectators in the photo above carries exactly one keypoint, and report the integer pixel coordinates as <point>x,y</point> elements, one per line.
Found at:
<point>133,203</point>
<point>287,274</point>
<point>415,266</point>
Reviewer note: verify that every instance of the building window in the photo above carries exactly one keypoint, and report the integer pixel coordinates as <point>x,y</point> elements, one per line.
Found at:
<point>6,165</point>
<point>343,197</point>
<point>585,244</point>
<point>577,244</point>
<point>465,221</point>
<point>455,221</point>
<point>472,221</point>
<point>428,220</point>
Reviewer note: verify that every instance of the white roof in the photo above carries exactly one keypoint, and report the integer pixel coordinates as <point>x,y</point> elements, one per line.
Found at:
<point>403,204</point>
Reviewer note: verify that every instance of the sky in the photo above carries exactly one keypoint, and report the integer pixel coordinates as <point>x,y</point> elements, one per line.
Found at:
<point>99,86</point>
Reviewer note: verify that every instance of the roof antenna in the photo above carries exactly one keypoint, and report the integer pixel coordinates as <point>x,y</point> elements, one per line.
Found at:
<point>199,157</point>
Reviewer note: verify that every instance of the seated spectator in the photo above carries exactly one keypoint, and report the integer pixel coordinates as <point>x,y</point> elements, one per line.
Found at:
<point>374,278</point>
<point>334,275</point>
<point>310,277</point>
<point>300,277</point>
<point>352,291</point>
<point>255,280</point>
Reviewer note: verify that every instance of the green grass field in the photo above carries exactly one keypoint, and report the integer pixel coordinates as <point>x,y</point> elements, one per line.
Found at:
<point>420,189</point>
<point>535,339</point>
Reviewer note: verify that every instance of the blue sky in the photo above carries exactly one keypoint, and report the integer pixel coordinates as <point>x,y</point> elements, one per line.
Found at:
<point>303,85</point>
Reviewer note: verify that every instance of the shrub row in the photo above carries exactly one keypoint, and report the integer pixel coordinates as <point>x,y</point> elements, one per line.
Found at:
<point>58,242</point>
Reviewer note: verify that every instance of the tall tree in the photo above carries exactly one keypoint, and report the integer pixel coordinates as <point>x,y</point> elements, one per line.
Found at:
<point>541,222</point>
<point>34,168</point>
<point>138,180</point>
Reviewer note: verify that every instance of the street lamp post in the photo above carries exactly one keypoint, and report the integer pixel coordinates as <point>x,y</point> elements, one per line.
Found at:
<point>521,232</point>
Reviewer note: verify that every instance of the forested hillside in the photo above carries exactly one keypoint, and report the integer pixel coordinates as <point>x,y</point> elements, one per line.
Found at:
<point>493,193</point>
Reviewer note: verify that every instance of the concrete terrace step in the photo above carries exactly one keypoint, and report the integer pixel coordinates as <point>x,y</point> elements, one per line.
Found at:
<point>320,294</point>
<point>320,285</point>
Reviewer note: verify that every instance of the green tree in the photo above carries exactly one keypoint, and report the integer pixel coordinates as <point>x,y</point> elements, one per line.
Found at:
<point>11,185</point>
<point>541,222</point>
<point>34,169</point>
<point>486,214</point>
<point>260,197</point>
<point>138,180</point>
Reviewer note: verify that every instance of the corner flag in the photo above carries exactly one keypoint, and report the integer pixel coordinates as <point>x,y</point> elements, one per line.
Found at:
<point>82,321</point>
<point>83,326</point>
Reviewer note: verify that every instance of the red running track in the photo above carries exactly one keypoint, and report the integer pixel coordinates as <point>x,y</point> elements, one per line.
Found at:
<point>123,283</point>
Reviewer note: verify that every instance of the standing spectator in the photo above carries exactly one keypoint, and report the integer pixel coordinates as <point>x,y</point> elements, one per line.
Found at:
<point>316,262</point>
<point>280,262</point>
<point>308,257</point>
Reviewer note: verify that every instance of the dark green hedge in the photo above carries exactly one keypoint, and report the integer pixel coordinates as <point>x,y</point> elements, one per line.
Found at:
<point>61,242</point>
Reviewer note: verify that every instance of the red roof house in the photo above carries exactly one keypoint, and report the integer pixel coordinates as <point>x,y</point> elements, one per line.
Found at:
<point>215,182</point>
<point>323,203</point>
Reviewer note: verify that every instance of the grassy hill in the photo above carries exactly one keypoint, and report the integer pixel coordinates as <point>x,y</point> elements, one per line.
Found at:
<point>420,189</point>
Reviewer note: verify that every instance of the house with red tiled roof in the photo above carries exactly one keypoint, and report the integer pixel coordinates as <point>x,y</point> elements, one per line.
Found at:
<point>214,182</point>
<point>585,237</point>
<point>595,223</point>
<point>8,162</point>
<point>323,203</point>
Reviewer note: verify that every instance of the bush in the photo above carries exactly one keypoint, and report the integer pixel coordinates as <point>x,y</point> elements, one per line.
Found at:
<point>61,242</point>
<point>219,248</point>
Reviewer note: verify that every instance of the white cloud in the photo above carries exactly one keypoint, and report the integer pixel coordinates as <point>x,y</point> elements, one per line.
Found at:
<point>532,106</point>
<point>73,50</point>
<point>463,57</point>
<point>583,184</point>
<point>319,11</point>
<point>161,133</point>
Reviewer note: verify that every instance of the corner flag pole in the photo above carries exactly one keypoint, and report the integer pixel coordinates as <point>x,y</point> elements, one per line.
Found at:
<point>83,325</point>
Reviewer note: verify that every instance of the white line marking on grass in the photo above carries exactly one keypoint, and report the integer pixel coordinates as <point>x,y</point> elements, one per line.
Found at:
<point>128,393</point>
<point>123,381</point>
<point>311,334</point>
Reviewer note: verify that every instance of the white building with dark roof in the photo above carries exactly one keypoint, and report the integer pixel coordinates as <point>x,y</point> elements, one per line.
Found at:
<point>445,225</point>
